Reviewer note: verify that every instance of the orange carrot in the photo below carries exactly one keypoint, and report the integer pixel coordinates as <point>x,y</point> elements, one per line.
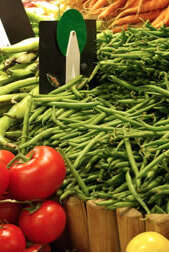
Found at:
<point>112,9</point>
<point>131,3</point>
<point>166,20</point>
<point>140,3</point>
<point>136,18</point>
<point>120,28</point>
<point>159,21</point>
<point>100,4</point>
<point>92,2</point>
<point>145,7</point>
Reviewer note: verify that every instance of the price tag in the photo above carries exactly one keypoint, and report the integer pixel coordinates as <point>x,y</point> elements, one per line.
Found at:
<point>53,62</point>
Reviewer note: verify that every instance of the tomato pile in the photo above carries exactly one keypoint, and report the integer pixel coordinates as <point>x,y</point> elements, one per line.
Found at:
<point>30,217</point>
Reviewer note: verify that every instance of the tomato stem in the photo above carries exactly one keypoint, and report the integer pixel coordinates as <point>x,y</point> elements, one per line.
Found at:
<point>18,157</point>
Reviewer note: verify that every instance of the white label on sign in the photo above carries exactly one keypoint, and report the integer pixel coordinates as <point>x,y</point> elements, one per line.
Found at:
<point>4,41</point>
<point>72,57</point>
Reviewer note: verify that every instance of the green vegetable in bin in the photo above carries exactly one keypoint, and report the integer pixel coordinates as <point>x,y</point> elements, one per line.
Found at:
<point>114,136</point>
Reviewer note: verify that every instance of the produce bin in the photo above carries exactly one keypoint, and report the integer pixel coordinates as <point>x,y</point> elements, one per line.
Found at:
<point>94,228</point>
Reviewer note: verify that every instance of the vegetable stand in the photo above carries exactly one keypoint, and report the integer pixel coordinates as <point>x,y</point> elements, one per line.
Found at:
<point>113,137</point>
<point>105,230</point>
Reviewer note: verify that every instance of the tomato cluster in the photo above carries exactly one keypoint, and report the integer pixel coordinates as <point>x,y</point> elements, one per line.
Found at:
<point>32,226</point>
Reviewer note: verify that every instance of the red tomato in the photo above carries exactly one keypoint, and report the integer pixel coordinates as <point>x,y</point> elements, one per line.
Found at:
<point>4,178</point>
<point>38,178</point>
<point>6,156</point>
<point>44,225</point>
<point>11,238</point>
<point>38,247</point>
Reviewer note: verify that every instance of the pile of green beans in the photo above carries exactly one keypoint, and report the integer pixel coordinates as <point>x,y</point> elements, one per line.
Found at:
<point>114,136</point>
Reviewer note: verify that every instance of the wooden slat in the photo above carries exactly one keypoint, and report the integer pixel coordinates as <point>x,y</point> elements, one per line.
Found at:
<point>102,227</point>
<point>77,224</point>
<point>158,223</point>
<point>130,223</point>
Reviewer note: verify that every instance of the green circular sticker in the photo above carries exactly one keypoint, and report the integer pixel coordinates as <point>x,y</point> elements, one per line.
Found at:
<point>72,20</point>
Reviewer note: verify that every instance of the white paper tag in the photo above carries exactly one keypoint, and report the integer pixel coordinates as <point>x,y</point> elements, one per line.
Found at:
<point>4,41</point>
<point>72,58</point>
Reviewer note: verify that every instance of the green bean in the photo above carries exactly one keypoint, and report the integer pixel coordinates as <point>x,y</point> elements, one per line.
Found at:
<point>150,185</point>
<point>134,193</point>
<point>162,147</point>
<point>92,161</point>
<point>78,160</point>
<point>121,204</point>
<point>13,134</point>
<point>155,128</point>
<point>39,136</point>
<point>115,180</point>
<point>106,202</point>
<point>157,209</point>
<point>81,195</point>
<point>46,115</point>
<point>156,142</point>
<point>76,92</point>
<point>161,91</point>
<point>162,122</point>
<point>79,180</point>
<point>122,83</point>
<point>66,194</point>
<point>77,106</point>
<point>102,195</point>
<point>131,101</point>
<point>143,172</point>
<point>160,188</point>
<point>67,86</point>
<point>131,157</point>
<point>121,117</point>
<point>37,112</point>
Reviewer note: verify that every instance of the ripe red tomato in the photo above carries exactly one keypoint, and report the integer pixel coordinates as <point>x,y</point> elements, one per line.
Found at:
<point>38,248</point>
<point>4,178</point>
<point>11,238</point>
<point>6,156</point>
<point>44,225</point>
<point>38,178</point>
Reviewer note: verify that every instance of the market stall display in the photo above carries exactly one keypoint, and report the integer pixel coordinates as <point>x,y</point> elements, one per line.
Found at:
<point>114,140</point>
<point>107,133</point>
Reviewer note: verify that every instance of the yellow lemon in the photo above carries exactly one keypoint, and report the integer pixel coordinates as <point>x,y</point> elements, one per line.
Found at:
<point>148,242</point>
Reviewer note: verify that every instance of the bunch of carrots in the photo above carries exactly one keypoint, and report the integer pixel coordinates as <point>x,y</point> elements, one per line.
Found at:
<point>120,14</point>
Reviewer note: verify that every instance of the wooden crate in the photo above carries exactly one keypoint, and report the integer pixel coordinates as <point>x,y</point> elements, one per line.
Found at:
<point>94,228</point>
